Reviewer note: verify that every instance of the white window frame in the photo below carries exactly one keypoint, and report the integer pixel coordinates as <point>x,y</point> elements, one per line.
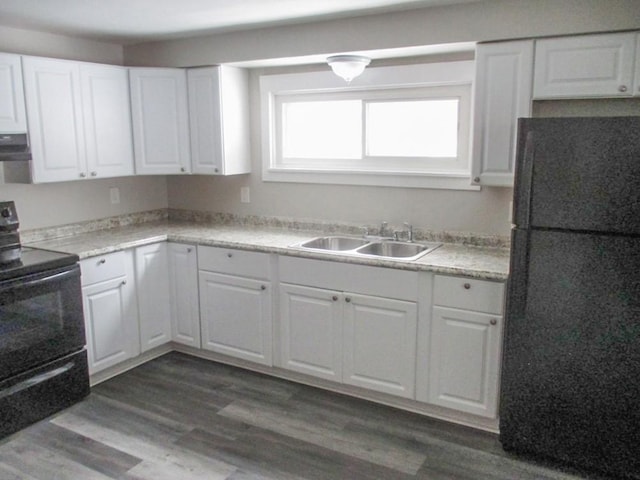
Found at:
<point>455,79</point>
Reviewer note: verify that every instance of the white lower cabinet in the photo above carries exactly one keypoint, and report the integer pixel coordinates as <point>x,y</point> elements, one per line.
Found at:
<point>235,303</point>
<point>464,346</point>
<point>311,331</point>
<point>152,282</point>
<point>110,309</point>
<point>380,344</point>
<point>183,284</point>
<point>350,333</point>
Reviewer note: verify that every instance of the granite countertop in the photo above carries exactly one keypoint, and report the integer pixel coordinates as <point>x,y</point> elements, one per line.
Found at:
<point>488,263</point>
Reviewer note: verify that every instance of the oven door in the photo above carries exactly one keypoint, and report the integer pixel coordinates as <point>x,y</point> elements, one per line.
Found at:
<point>41,319</point>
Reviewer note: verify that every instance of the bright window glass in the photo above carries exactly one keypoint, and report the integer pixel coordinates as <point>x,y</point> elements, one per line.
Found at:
<point>424,128</point>
<point>327,129</point>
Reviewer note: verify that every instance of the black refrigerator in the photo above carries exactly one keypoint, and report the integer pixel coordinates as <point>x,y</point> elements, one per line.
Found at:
<point>570,387</point>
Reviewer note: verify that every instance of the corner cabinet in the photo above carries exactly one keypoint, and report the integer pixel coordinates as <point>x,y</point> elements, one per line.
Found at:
<point>159,110</point>
<point>464,346</point>
<point>79,120</point>
<point>219,120</point>
<point>504,73</point>
<point>587,66</point>
<point>236,303</point>
<point>110,309</point>
<point>13,117</point>
<point>152,283</point>
<point>183,284</point>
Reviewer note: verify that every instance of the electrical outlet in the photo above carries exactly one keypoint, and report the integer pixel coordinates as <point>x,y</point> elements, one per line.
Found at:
<point>245,195</point>
<point>114,195</point>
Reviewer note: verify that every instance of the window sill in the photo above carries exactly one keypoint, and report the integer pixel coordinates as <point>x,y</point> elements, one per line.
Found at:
<point>448,181</point>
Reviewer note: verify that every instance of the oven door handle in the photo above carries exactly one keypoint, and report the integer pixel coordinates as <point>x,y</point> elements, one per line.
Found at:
<point>49,278</point>
<point>31,382</point>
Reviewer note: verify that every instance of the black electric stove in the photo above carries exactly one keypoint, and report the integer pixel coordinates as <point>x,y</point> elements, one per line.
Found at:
<point>43,361</point>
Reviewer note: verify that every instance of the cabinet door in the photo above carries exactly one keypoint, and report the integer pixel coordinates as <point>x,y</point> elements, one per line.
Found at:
<point>107,120</point>
<point>160,120</point>
<point>54,110</point>
<point>465,360</point>
<point>236,316</point>
<point>504,74</point>
<point>311,331</point>
<point>219,120</point>
<point>585,66</point>
<point>380,344</point>
<point>111,323</point>
<point>183,280</point>
<point>13,118</point>
<point>152,282</point>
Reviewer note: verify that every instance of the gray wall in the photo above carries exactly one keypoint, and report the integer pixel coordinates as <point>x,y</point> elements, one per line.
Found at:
<point>487,211</point>
<point>69,202</point>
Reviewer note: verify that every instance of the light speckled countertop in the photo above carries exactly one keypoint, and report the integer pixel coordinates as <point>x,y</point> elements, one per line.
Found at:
<point>477,262</point>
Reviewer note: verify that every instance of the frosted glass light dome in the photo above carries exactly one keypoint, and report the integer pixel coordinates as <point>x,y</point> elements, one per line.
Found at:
<point>348,66</point>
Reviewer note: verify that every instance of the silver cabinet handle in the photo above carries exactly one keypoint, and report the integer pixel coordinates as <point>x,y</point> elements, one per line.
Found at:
<point>189,250</point>
<point>476,179</point>
<point>216,170</point>
<point>493,321</point>
<point>93,174</point>
<point>263,287</point>
<point>622,88</point>
<point>467,286</point>
<point>124,282</point>
<point>82,174</point>
<point>334,298</point>
<point>348,300</point>
<point>182,169</point>
<point>229,254</point>
<point>102,261</point>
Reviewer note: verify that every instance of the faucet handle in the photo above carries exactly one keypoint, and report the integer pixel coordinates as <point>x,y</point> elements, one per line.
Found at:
<point>409,228</point>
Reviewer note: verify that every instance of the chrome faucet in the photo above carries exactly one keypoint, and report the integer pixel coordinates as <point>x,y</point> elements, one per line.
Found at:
<point>383,229</point>
<point>407,233</point>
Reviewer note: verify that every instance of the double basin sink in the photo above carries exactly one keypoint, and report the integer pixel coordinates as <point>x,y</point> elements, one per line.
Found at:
<point>389,249</point>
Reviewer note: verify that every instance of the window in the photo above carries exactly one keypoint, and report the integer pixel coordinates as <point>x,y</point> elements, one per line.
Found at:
<point>405,126</point>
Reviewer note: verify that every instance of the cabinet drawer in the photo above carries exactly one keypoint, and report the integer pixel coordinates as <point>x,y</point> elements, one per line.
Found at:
<point>103,267</point>
<point>234,262</point>
<point>468,294</point>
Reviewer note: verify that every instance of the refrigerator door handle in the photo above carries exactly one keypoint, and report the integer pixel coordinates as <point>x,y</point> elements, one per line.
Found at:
<point>522,197</point>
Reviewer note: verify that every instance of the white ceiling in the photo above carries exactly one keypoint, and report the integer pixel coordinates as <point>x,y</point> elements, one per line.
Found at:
<point>133,21</point>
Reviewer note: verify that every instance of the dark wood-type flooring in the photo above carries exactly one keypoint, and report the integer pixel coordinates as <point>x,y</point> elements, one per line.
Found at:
<point>180,417</point>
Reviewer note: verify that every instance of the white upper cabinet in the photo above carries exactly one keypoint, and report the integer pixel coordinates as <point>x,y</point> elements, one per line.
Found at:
<point>54,109</point>
<point>159,110</point>
<point>13,118</point>
<point>504,74</point>
<point>79,120</point>
<point>219,120</point>
<point>107,120</point>
<point>585,66</point>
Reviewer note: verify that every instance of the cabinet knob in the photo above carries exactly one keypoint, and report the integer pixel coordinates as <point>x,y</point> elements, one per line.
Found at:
<point>348,300</point>
<point>263,287</point>
<point>93,174</point>
<point>102,261</point>
<point>493,321</point>
<point>216,170</point>
<point>229,254</point>
<point>189,250</point>
<point>182,169</point>
<point>334,298</point>
<point>124,282</point>
<point>476,179</point>
<point>622,88</point>
<point>82,174</point>
<point>467,286</point>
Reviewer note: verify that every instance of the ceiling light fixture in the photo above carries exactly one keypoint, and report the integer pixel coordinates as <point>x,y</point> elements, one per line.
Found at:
<point>348,66</point>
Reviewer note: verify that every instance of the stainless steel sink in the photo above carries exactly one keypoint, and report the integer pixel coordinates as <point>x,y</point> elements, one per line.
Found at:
<point>334,243</point>
<point>403,250</point>
<point>368,247</point>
